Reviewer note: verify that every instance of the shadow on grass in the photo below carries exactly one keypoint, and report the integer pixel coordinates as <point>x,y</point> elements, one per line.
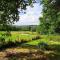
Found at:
<point>11,45</point>
<point>51,56</point>
<point>55,55</point>
<point>56,49</point>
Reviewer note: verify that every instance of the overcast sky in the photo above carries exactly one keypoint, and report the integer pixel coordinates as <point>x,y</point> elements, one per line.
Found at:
<point>32,15</point>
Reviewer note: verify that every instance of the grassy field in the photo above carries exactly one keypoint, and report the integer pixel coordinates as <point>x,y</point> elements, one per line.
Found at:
<point>33,46</point>
<point>47,39</point>
<point>18,36</point>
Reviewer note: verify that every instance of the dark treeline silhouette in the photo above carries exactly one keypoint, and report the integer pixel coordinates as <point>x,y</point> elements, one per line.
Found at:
<point>18,28</point>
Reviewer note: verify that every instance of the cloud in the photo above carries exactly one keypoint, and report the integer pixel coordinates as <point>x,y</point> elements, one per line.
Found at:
<point>32,15</point>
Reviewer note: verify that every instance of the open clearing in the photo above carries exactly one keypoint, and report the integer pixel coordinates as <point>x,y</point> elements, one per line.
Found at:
<point>28,46</point>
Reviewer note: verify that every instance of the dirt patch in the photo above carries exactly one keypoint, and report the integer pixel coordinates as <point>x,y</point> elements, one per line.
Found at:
<point>22,54</point>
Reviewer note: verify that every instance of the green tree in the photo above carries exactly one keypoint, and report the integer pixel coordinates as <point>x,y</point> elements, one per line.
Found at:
<point>49,21</point>
<point>9,10</point>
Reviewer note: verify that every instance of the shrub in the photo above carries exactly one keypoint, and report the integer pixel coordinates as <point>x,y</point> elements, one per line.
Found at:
<point>43,46</point>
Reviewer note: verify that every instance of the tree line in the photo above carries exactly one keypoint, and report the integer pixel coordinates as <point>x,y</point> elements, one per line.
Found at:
<point>19,28</point>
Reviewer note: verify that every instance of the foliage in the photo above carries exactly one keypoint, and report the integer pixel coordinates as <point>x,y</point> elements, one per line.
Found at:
<point>9,10</point>
<point>49,22</point>
<point>19,28</point>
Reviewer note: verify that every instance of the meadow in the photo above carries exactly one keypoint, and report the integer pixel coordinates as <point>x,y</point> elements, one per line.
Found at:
<point>18,36</point>
<point>29,46</point>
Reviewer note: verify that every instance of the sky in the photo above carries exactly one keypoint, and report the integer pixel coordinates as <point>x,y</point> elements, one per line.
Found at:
<point>32,15</point>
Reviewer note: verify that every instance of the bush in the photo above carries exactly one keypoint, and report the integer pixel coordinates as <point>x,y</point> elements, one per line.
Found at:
<point>43,46</point>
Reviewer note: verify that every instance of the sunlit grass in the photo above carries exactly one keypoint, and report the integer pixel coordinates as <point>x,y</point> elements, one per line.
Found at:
<point>47,39</point>
<point>18,36</point>
<point>53,41</point>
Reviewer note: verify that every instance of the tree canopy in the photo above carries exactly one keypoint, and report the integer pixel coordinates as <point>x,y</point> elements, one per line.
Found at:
<point>9,10</point>
<point>49,23</point>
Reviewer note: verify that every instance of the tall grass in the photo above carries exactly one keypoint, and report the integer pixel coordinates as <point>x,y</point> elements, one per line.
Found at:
<point>7,38</point>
